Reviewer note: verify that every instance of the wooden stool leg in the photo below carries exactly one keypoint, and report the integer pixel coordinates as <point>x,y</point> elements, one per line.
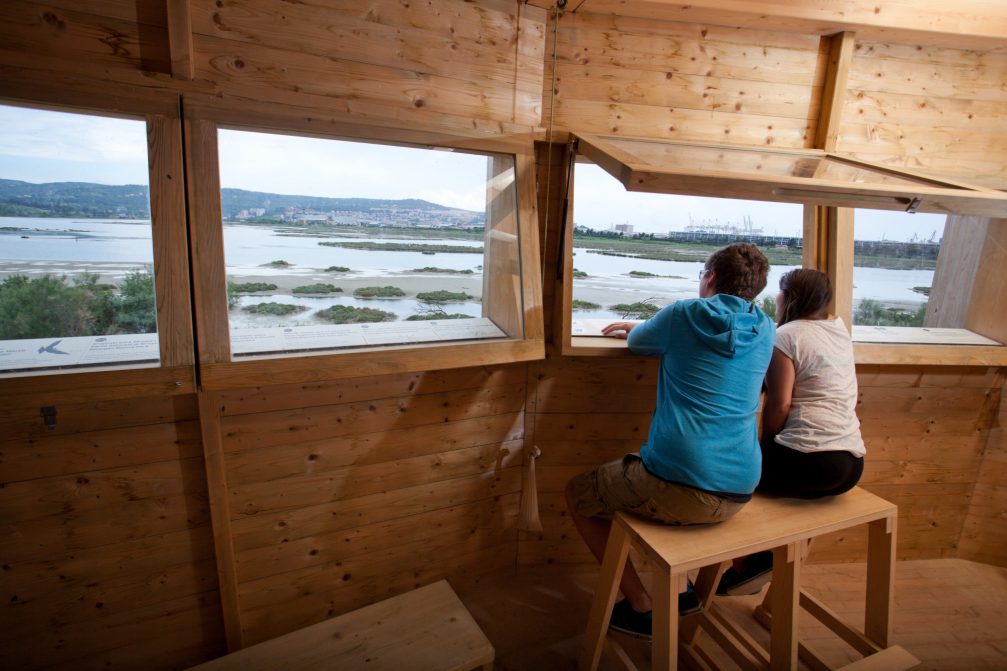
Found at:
<point>880,580</point>
<point>784,606</point>
<point>665,597</point>
<point>612,565</point>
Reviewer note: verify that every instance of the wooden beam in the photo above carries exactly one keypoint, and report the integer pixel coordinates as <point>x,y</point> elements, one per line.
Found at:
<point>180,39</point>
<point>840,262</point>
<point>834,91</point>
<point>220,515</point>
<point>965,24</point>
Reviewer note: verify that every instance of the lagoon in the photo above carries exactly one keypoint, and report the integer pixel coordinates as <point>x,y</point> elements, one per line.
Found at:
<point>112,248</point>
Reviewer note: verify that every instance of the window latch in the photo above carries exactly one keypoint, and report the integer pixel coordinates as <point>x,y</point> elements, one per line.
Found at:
<point>914,204</point>
<point>48,413</point>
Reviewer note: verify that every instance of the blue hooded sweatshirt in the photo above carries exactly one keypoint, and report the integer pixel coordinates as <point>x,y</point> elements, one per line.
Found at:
<point>714,355</point>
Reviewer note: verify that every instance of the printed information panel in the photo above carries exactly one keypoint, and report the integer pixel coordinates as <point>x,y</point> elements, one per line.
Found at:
<point>40,354</point>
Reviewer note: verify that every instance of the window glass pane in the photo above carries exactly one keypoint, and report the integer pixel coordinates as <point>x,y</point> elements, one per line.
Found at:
<point>894,262</point>
<point>76,259</point>
<point>332,244</point>
<point>634,252</point>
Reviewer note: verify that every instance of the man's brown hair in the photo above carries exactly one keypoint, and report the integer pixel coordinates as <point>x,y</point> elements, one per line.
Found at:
<point>741,270</point>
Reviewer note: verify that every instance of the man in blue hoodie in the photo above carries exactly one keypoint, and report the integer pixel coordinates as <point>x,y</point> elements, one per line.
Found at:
<point>701,461</point>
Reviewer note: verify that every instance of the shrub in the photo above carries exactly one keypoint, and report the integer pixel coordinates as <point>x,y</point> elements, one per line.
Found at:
<point>317,289</point>
<point>345,314</point>
<point>378,292</point>
<point>278,309</point>
<point>441,296</point>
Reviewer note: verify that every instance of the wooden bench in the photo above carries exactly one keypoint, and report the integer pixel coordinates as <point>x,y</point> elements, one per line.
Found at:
<point>423,630</point>
<point>778,524</point>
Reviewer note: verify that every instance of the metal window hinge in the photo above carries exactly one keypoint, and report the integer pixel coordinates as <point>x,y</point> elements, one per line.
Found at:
<point>48,413</point>
<point>914,204</point>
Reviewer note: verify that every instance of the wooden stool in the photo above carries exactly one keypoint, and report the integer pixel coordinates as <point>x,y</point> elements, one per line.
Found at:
<point>423,630</point>
<point>778,524</point>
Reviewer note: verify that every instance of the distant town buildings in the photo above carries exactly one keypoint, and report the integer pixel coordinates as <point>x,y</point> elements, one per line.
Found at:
<point>374,216</point>
<point>626,229</point>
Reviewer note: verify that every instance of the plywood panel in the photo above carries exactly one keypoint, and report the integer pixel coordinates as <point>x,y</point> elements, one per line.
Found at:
<point>683,81</point>
<point>934,109</point>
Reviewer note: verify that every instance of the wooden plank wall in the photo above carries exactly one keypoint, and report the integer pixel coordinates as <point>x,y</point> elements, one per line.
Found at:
<point>681,81</point>
<point>342,494</point>
<point>929,108</point>
<point>107,552</point>
<point>984,536</point>
<point>451,65</point>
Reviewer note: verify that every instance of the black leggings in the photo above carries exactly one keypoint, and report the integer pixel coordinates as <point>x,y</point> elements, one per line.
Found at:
<point>808,475</point>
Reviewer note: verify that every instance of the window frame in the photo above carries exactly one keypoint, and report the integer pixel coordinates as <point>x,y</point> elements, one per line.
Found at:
<point>828,234</point>
<point>174,374</point>
<point>217,368</point>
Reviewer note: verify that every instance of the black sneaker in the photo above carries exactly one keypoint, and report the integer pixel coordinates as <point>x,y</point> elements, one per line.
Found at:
<point>756,571</point>
<point>627,621</point>
<point>688,601</point>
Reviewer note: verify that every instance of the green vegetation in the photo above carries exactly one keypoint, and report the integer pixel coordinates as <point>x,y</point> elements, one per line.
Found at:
<point>641,273</point>
<point>337,269</point>
<point>74,199</point>
<point>922,290</point>
<point>48,307</point>
<point>405,247</point>
<point>769,307</point>
<point>278,309</point>
<point>584,305</point>
<point>278,264</point>
<point>667,250</point>
<point>873,313</point>
<point>448,271</point>
<point>442,296</point>
<point>249,287</point>
<point>640,310</point>
<point>579,274</point>
<point>345,314</point>
<point>378,292</point>
<point>432,317</point>
<point>317,289</point>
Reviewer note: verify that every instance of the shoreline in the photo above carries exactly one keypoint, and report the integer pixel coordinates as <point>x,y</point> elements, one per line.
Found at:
<point>286,280</point>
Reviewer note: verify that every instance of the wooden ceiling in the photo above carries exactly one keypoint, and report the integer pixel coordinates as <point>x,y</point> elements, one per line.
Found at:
<point>962,24</point>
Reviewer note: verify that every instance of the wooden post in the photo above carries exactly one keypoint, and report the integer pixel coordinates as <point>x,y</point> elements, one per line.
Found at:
<point>880,580</point>
<point>612,566</point>
<point>180,39</point>
<point>834,90</point>
<point>784,606</point>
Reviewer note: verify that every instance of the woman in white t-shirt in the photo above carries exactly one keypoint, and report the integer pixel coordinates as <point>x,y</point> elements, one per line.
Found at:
<point>811,443</point>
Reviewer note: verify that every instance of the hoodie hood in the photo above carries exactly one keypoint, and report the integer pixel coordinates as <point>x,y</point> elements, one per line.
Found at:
<point>728,325</point>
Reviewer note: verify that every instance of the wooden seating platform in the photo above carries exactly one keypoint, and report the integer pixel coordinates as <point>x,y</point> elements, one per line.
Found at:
<point>427,629</point>
<point>779,524</point>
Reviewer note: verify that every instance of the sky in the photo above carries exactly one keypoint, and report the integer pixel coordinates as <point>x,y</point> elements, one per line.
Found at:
<point>44,146</point>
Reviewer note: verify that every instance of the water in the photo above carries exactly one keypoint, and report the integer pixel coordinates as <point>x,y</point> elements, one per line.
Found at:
<point>66,246</point>
<point>608,283</point>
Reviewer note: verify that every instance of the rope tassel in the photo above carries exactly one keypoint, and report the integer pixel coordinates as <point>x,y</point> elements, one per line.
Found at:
<point>529,520</point>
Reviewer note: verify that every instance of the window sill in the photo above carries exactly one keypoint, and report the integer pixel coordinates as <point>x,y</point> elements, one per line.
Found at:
<point>294,368</point>
<point>864,353</point>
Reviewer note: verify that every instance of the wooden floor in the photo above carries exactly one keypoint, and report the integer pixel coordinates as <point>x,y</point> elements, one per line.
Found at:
<point>950,613</point>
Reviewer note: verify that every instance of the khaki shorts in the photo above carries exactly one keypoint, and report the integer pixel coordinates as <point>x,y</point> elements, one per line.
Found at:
<point>624,484</point>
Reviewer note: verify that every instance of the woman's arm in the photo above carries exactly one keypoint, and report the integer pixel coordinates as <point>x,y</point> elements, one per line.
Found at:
<point>779,393</point>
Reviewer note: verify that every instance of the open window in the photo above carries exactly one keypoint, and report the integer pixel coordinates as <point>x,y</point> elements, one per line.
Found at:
<point>93,275</point>
<point>829,192</point>
<point>332,256</point>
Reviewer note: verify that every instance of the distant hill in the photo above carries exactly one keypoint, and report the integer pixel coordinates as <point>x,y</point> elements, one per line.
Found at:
<point>132,201</point>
